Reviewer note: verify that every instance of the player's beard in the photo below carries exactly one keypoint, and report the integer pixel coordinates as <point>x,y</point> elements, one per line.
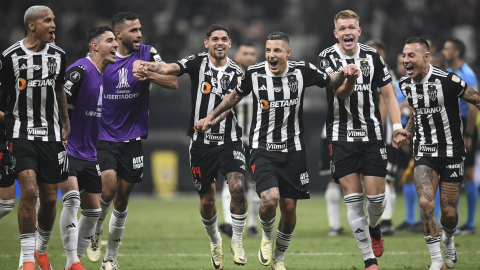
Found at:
<point>130,47</point>
<point>212,53</point>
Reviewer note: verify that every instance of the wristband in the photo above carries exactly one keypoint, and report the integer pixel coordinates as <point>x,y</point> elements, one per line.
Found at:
<point>397,126</point>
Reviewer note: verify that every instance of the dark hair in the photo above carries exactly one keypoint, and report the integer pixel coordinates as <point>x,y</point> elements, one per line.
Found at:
<point>96,32</point>
<point>248,44</point>
<point>121,17</point>
<point>278,36</point>
<point>459,46</point>
<point>377,43</point>
<point>216,27</point>
<point>418,40</point>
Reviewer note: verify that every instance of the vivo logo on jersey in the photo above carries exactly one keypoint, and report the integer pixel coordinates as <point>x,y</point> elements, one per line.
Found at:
<point>279,103</point>
<point>38,132</point>
<point>356,133</point>
<point>428,148</point>
<point>362,87</point>
<point>39,83</point>
<point>218,137</point>
<point>123,78</point>
<point>428,110</point>
<point>277,146</point>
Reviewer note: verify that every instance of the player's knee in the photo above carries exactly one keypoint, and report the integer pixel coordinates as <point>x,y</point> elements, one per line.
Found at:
<point>426,204</point>
<point>71,199</point>
<point>236,188</point>
<point>269,203</point>
<point>289,208</point>
<point>449,213</point>
<point>29,193</point>
<point>208,201</point>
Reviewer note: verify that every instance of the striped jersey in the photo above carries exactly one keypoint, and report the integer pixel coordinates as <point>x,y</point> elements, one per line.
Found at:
<point>438,125</point>
<point>29,79</point>
<point>244,112</point>
<point>210,85</point>
<point>357,118</point>
<point>277,122</point>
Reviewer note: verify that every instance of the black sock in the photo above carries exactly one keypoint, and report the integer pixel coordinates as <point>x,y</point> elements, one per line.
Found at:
<point>386,222</point>
<point>370,262</point>
<point>375,232</point>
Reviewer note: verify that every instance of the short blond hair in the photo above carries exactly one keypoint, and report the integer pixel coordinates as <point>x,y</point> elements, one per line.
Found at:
<point>346,14</point>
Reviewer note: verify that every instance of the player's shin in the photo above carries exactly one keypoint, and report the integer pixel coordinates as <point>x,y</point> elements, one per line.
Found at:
<point>69,225</point>
<point>253,206</point>
<point>105,208</point>
<point>358,223</point>
<point>226,204</point>
<point>86,229</point>
<point>6,206</point>
<point>375,207</point>
<point>115,233</point>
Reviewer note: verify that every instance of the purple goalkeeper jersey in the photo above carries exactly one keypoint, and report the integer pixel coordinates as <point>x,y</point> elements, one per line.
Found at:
<point>125,100</point>
<point>83,87</point>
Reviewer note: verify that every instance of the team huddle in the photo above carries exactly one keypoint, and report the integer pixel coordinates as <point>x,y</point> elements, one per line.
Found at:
<point>79,128</point>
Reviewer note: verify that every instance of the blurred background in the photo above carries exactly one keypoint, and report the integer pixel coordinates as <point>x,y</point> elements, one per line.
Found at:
<point>176,28</point>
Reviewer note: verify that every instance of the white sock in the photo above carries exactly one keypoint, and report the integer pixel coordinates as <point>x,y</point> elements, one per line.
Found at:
<point>42,239</point>
<point>238,225</point>
<point>105,208</point>
<point>226,197</point>
<point>6,206</point>
<point>433,244</point>
<point>86,229</point>
<point>115,233</point>
<point>388,212</point>
<point>69,225</point>
<point>253,206</point>
<point>37,206</point>
<point>448,232</point>
<point>375,207</point>
<point>282,242</point>
<point>358,224</point>
<point>267,228</point>
<point>333,194</point>
<point>27,241</point>
<point>212,230</point>
<point>20,261</point>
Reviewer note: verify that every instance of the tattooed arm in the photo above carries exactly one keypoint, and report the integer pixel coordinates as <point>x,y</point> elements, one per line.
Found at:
<point>141,67</point>
<point>62,111</point>
<point>230,101</point>
<point>471,96</point>
<point>344,88</point>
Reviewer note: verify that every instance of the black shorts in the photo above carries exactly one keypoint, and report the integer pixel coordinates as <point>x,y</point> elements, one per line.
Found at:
<point>448,169</point>
<point>392,166</point>
<point>207,160</point>
<point>470,157</point>
<point>7,173</point>
<point>324,158</point>
<point>126,158</point>
<point>367,158</point>
<point>88,174</point>
<point>48,159</point>
<point>287,171</point>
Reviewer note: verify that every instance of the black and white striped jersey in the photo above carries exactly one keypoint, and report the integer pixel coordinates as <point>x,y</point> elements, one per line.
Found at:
<point>357,118</point>
<point>277,122</point>
<point>30,78</point>
<point>388,131</point>
<point>209,86</point>
<point>438,125</point>
<point>244,112</point>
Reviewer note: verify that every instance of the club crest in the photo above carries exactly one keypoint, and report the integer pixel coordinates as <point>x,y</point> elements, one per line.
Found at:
<point>224,82</point>
<point>52,65</point>
<point>365,68</point>
<point>432,92</point>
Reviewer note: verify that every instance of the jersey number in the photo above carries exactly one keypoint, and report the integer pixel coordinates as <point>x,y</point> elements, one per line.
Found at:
<point>195,171</point>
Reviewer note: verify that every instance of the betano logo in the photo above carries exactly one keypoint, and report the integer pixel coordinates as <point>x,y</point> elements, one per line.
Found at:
<point>206,87</point>
<point>428,110</point>
<point>278,103</point>
<point>22,84</point>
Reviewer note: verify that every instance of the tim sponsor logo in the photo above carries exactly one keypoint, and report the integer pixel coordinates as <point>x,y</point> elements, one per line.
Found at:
<point>362,87</point>
<point>138,162</point>
<point>217,137</point>
<point>277,146</point>
<point>428,148</point>
<point>356,133</point>
<point>428,110</point>
<point>304,179</point>
<point>38,132</point>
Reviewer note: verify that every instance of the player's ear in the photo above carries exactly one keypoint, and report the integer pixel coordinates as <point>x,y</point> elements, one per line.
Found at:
<point>427,57</point>
<point>206,43</point>
<point>289,52</point>
<point>359,31</point>
<point>118,34</point>
<point>31,26</point>
<point>335,33</point>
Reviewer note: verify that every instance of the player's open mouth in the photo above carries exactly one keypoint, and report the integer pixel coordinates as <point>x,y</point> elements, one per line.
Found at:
<point>113,53</point>
<point>273,64</point>
<point>52,33</point>
<point>348,41</point>
<point>409,69</point>
<point>136,42</point>
<point>220,49</point>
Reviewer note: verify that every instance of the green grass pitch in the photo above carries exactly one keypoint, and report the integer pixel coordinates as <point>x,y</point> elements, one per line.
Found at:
<point>168,234</point>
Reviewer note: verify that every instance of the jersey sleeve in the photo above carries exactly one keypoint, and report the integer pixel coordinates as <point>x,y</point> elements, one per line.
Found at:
<point>382,76</point>
<point>73,83</point>
<point>313,76</point>
<point>63,66</point>
<point>235,82</point>
<point>325,65</point>
<point>455,85</point>
<point>188,64</point>
<point>244,85</point>
<point>155,56</point>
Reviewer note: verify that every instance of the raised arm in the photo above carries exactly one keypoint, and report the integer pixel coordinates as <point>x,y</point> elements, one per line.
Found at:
<point>157,72</point>
<point>230,101</point>
<point>471,96</point>
<point>344,88</point>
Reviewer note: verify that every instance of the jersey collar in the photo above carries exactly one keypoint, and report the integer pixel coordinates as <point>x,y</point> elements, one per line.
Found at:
<point>32,52</point>
<point>88,57</point>
<point>424,80</point>
<point>344,56</point>
<point>269,73</point>
<point>222,68</point>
